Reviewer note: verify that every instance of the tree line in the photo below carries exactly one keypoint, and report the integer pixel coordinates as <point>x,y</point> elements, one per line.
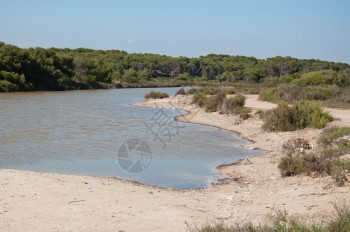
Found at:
<point>30,69</point>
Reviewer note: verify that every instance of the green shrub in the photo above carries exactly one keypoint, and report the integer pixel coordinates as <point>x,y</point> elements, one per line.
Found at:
<point>317,78</point>
<point>156,95</point>
<point>298,116</point>
<point>330,134</point>
<point>279,119</point>
<point>180,92</point>
<point>318,94</point>
<point>268,94</point>
<point>6,86</point>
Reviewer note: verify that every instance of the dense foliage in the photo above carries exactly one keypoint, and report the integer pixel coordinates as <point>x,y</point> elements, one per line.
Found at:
<point>62,69</point>
<point>300,115</point>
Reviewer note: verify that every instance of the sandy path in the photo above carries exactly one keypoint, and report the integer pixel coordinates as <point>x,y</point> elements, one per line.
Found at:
<point>51,202</point>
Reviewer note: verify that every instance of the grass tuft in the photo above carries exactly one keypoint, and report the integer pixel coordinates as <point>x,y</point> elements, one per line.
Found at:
<point>156,95</point>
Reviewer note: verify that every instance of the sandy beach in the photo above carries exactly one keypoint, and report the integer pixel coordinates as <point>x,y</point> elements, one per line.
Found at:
<point>252,190</point>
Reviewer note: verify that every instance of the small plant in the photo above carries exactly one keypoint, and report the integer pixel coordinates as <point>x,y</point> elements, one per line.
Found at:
<point>156,95</point>
<point>180,92</point>
<point>340,170</point>
<point>260,113</point>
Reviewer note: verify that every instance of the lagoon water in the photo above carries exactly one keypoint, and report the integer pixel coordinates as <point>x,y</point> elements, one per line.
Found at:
<point>98,132</point>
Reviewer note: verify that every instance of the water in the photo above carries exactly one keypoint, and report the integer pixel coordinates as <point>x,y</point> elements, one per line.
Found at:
<point>85,132</point>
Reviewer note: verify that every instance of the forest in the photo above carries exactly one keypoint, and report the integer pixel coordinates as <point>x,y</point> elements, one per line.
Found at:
<point>34,69</point>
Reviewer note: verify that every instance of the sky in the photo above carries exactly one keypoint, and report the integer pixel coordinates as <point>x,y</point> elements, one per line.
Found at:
<point>317,29</point>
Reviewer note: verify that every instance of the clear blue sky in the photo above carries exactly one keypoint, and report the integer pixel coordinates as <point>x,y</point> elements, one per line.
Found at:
<point>262,28</point>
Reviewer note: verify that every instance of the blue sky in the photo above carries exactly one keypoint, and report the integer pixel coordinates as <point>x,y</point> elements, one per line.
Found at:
<point>317,29</point>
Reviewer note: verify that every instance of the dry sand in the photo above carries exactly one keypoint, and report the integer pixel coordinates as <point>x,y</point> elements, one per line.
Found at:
<point>50,202</point>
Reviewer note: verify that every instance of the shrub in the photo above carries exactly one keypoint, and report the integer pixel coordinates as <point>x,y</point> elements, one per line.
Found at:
<point>260,113</point>
<point>6,86</point>
<point>339,170</point>
<point>180,92</point>
<point>156,95</point>
<point>307,114</point>
<point>268,94</point>
<point>315,78</point>
<point>330,134</point>
<point>231,103</point>
<point>289,93</point>
<point>298,116</point>
<point>215,102</point>
<point>327,161</point>
<point>243,112</point>
<point>318,94</point>
<point>199,98</point>
<point>279,119</point>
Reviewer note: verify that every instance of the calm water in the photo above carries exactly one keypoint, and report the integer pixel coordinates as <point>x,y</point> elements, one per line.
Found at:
<point>85,132</point>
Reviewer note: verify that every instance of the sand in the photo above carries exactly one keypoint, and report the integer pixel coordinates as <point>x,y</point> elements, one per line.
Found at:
<point>252,190</point>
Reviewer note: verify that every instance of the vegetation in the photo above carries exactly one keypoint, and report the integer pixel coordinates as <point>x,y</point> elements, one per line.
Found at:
<point>63,69</point>
<point>329,135</point>
<point>180,92</point>
<point>282,222</point>
<point>300,115</point>
<point>156,95</point>
<point>328,86</point>
<point>328,161</point>
<point>215,100</point>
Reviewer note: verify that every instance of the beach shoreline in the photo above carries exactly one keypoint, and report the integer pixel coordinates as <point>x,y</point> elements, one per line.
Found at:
<point>251,190</point>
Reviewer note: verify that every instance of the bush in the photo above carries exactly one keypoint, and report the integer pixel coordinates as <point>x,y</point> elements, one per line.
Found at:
<point>231,103</point>
<point>339,170</point>
<point>298,116</point>
<point>330,134</point>
<point>199,98</point>
<point>327,161</point>
<point>6,86</point>
<point>215,102</point>
<point>156,95</point>
<point>289,93</point>
<point>180,92</point>
<point>235,105</point>
<point>268,94</point>
<point>317,78</point>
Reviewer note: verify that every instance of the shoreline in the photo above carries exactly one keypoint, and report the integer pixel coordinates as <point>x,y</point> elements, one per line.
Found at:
<point>250,191</point>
